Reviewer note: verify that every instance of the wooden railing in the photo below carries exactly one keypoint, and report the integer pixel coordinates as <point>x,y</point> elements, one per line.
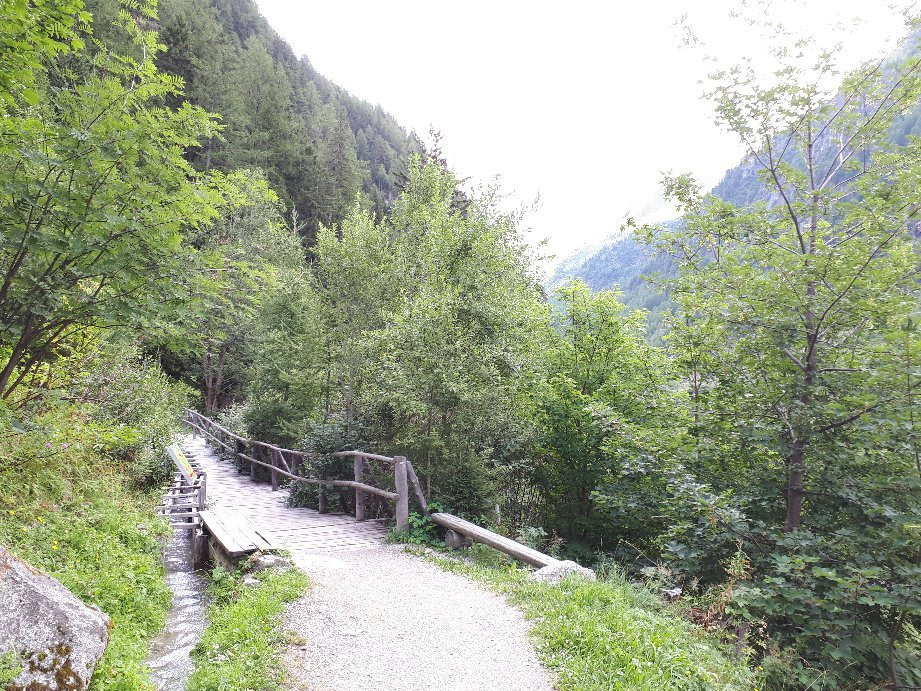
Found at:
<point>292,465</point>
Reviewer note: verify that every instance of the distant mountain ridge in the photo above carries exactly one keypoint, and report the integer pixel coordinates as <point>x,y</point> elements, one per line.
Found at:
<point>627,265</point>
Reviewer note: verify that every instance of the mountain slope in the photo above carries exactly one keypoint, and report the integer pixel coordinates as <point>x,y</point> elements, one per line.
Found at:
<point>318,145</point>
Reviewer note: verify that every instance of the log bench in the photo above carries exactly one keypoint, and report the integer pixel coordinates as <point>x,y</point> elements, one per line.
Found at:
<point>500,542</point>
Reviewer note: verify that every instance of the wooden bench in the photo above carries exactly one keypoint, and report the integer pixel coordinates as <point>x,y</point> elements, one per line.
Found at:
<point>233,532</point>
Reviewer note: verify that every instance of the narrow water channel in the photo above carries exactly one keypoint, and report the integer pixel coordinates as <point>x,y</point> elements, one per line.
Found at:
<point>169,660</point>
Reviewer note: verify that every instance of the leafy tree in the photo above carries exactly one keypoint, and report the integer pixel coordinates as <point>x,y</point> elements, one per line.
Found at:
<point>244,254</point>
<point>598,414</point>
<point>30,36</point>
<point>94,196</point>
<point>788,315</point>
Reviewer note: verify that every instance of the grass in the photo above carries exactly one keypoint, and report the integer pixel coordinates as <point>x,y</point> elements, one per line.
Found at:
<point>240,649</point>
<point>69,510</point>
<point>608,634</point>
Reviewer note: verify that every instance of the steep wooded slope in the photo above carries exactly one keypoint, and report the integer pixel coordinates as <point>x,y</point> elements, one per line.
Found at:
<point>318,145</point>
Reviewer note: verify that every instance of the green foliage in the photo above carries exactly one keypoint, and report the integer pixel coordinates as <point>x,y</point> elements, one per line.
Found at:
<point>68,509</point>
<point>422,530</point>
<point>31,35</point>
<point>610,634</point>
<point>137,407</point>
<point>794,335</point>
<point>94,195</point>
<point>318,145</point>
<point>429,372</point>
<point>10,667</point>
<point>246,257</point>
<point>239,651</point>
<point>602,411</point>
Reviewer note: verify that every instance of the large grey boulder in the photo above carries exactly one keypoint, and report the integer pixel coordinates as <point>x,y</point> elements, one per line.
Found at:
<point>554,573</point>
<point>58,638</point>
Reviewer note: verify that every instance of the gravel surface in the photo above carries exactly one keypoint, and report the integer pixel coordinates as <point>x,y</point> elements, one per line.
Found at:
<point>384,619</point>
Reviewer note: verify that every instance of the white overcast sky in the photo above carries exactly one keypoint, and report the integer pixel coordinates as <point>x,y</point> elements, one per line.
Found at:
<point>583,103</point>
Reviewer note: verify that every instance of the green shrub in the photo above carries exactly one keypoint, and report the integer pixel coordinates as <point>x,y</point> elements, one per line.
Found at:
<point>137,408</point>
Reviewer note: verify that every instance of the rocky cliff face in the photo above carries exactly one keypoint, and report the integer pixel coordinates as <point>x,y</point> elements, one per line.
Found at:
<point>53,637</point>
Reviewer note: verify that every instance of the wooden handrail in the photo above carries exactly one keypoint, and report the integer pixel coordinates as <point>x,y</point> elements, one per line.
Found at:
<point>404,476</point>
<point>280,466</point>
<point>364,454</point>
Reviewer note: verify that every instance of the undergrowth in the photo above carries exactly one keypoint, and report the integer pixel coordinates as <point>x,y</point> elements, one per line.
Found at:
<point>240,649</point>
<point>67,508</point>
<point>608,634</point>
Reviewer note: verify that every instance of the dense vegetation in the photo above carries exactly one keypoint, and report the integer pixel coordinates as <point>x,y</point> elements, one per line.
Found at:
<point>70,507</point>
<point>317,145</point>
<point>199,199</point>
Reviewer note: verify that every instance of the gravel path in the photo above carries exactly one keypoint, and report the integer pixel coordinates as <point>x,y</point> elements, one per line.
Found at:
<point>384,619</point>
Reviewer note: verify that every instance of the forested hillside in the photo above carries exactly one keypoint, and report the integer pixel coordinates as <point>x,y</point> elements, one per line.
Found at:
<point>760,465</point>
<point>317,145</point>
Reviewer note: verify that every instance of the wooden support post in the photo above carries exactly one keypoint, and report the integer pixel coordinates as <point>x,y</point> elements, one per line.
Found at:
<point>274,456</point>
<point>252,466</point>
<point>321,499</point>
<point>359,494</point>
<point>399,476</point>
<point>202,491</point>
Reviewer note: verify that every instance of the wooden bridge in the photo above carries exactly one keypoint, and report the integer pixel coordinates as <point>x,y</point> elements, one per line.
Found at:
<point>212,492</point>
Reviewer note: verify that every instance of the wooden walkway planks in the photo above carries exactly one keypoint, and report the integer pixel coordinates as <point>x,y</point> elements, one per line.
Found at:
<point>294,529</point>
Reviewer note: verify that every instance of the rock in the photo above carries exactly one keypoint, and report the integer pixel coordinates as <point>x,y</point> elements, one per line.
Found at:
<point>269,561</point>
<point>58,638</point>
<point>250,582</point>
<point>455,540</point>
<point>554,573</point>
<point>671,594</point>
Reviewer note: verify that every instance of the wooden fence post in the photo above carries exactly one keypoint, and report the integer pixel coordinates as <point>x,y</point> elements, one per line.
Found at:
<point>274,456</point>
<point>359,494</point>
<point>202,491</point>
<point>399,476</point>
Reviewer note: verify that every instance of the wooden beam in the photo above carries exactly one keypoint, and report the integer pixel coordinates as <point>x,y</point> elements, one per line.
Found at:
<point>417,488</point>
<point>494,540</point>
<point>359,493</point>
<point>369,456</point>
<point>402,508</point>
<point>370,489</point>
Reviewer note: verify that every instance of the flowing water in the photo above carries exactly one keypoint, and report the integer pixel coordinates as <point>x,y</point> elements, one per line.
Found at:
<point>169,660</point>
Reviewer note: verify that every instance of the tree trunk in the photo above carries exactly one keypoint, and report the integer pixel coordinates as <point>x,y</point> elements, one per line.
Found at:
<point>795,473</point>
